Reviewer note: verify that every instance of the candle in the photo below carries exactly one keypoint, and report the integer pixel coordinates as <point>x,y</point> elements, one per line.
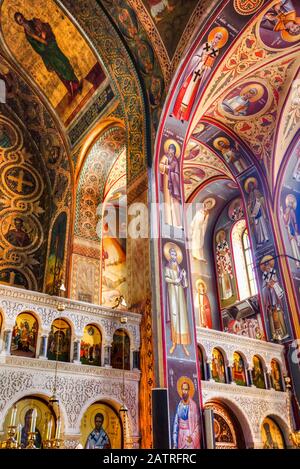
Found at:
<point>58,428</point>
<point>33,421</point>
<point>13,416</point>
<point>19,435</point>
<point>49,429</point>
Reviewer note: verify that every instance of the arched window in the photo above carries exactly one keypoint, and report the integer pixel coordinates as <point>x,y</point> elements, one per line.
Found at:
<point>238,370</point>
<point>90,346</point>
<point>201,364</point>
<point>120,350</point>
<point>218,366</point>
<point>276,378</point>
<point>243,260</point>
<point>24,336</point>
<point>59,341</point>
<point>249,263</point>
<point>258,373</point>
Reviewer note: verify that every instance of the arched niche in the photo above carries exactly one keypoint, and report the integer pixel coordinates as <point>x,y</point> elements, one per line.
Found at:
<point>98,259</point>
<point>258,373</point>
<point>112,437</point>
<point>24,335</point>
<point>276,375</point>
<point>45,414</point>
<point>90,346</point>
<point>56,254</point>
<point>59,341</point>
<point>202,363</point>
<point>218,371</point>
<point>271,435</point>
<point>238,370</point>
<point>227,429</point>
<point>120,350</point>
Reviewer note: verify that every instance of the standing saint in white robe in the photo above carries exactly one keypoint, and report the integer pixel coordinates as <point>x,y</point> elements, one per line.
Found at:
<point>176,280</point>
<point>199,227</point>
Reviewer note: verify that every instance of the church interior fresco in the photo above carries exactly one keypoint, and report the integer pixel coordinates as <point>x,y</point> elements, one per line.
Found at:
<point>125,88</point>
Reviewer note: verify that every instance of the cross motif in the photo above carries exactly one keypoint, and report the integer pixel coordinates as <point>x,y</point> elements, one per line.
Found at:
<point>214,52</point>
<point>20,181</point>
<point>197,74</point>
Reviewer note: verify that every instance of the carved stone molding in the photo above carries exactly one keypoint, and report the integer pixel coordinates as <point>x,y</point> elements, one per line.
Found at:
<point>13,301</point>
<point>250,405</point>
<point>78,386</point>
<point>230,343</point>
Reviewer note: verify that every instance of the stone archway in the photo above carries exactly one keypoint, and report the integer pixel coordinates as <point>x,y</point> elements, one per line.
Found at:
<point>228,431</point>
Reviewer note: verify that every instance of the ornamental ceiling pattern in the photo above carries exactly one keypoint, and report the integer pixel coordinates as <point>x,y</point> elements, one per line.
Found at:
<point>244,87</point>
<point>24,207</point>
<point>92,180</point>
<point>43,130</point>
<point>200,164</point>
<point>266,63</point>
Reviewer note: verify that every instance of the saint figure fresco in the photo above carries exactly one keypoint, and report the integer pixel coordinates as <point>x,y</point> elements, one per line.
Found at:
<point>204,305</point>
<point>290,222</point>
<point>280,26</point>
<point>43,41</point>
<point>186,426</point>
<point>199,227</point>
<point>257,211</point>
<point>176,280</point>
<point>273,295</point>
<point>230,153</point>
<point>224,266</point>
<point>198,70</point>
<point>169,167</point>
<point>98,438</point>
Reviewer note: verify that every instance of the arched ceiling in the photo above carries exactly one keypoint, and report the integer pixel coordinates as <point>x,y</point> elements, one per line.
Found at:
<point>75,61</point>
<point>200,165</point>
<point>23,101</point>
<point>237,90</point>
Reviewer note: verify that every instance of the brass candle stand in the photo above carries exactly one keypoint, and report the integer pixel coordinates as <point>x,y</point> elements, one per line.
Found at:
<point>57,443</point>
<point>31,440</point>
<point>54,443</point>
<point>11,442</point>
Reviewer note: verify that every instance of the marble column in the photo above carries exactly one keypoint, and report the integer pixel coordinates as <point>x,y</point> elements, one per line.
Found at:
<point>7,336</point>
<point>76,351</point>
<point>107,356</point>
<point>43,347</point>
<point>136,360</point>
<point>229,375</point>
<point>250,379</point>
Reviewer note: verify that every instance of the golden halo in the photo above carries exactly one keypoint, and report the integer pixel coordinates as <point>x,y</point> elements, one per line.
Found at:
<point>267,258</point>
<point>292,198</point>
<point>174,246</point>
<point>247,182</point>
<point>216,30</point>
<point>219,234</point>
<point>168,142</point>
<point>199,128</point>
<point>260,91</point>
<point>210,199</point>
<point>216,143</point>
<point>185,379</point>
<point>201,282</point>
<point>286,36</point>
